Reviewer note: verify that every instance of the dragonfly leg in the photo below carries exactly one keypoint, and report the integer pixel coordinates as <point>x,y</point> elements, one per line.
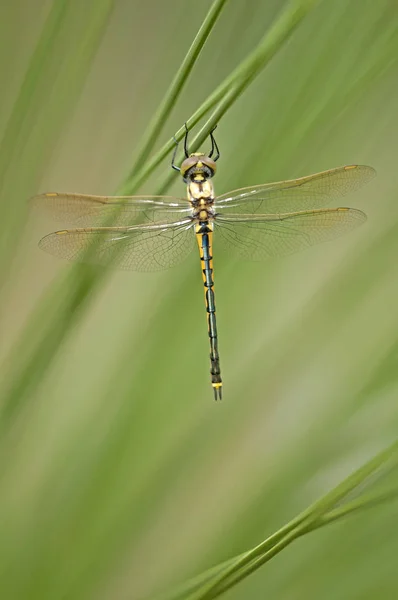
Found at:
<point>186,141</point>
<point>214,146</point>
<point>173,165</point>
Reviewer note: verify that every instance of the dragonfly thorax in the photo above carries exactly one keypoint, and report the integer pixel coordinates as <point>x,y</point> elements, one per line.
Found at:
<point>201,193</point>
<point>197,171</point>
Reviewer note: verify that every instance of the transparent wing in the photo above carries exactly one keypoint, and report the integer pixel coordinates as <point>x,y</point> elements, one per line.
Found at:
<point>305,193</point>
<point>93,211</point>
<point>262,236</point>
<point>137,248</point>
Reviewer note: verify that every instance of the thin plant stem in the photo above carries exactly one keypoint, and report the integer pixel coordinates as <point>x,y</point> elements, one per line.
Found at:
<point>245,73</point>
<point>163,112</point>
<point>363,503</point>
<point>297,526</point>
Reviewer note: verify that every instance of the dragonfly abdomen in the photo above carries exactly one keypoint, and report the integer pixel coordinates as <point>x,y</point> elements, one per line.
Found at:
<point>204,235</point>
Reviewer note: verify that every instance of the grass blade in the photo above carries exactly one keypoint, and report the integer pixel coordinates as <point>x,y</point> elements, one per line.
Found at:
<point>160,117</point>
<point>230,89</point>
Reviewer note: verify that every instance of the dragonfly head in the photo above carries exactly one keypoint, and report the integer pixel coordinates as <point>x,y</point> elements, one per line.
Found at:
<point>198,168</point>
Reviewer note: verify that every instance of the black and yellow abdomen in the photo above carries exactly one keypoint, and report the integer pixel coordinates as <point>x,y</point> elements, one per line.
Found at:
<point>204,236</point>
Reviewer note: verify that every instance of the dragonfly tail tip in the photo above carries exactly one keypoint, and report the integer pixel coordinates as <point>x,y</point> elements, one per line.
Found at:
<point>217,387</point>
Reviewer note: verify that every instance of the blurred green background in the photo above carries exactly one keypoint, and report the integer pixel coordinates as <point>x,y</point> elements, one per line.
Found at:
<point>120,476</point>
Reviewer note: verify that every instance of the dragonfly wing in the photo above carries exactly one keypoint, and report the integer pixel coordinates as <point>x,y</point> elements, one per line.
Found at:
<point>93,211</point>
<point>137,248</point>
<point>305,193</point>
<point>263,236</point>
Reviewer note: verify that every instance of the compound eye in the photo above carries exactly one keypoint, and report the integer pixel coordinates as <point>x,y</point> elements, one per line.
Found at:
<point>187,164</point>
<point>210,164</point>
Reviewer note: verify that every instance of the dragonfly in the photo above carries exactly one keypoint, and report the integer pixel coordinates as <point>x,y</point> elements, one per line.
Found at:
<point>150,233</point>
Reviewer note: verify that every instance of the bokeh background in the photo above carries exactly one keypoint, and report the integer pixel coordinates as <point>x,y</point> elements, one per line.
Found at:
<point>120,476</point>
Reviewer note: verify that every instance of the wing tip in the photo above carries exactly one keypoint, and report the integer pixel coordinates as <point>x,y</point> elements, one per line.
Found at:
<point>365,169</point>
<point>43,243</point>
<point>360,216</point>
